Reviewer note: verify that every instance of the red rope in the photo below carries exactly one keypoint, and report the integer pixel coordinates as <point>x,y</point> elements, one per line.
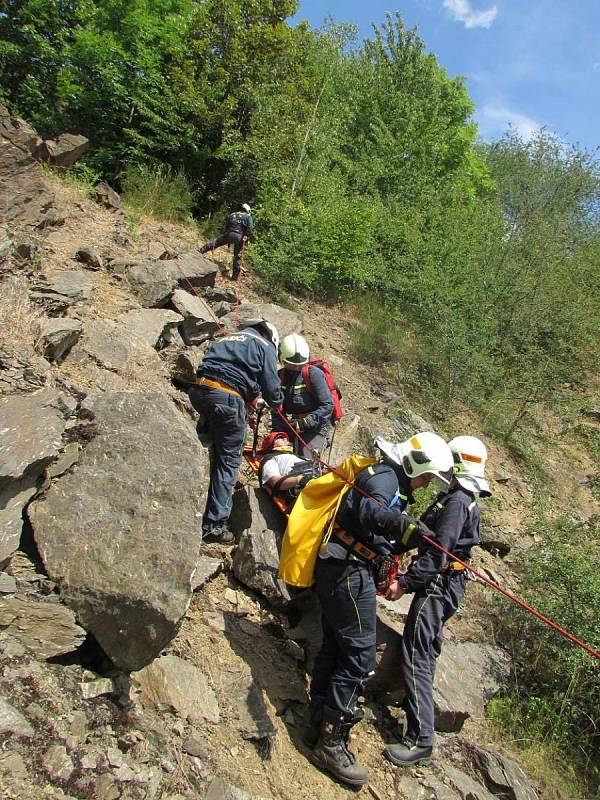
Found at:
<point>542,617</point>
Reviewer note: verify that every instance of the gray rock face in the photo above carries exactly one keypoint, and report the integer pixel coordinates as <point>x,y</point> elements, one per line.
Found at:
<point>30,438</point>
<point>62,151</point>
<point>261,525</point>
<point>182,365</point>
<point>58,335</point>
<point>5,243</point>
<point>120,534</point>
<point>176,684</point>
<point>154,282</point>
<point>156,327</point>
<point>45,629</point>
<point>199,323</point>
<point>89,256</point>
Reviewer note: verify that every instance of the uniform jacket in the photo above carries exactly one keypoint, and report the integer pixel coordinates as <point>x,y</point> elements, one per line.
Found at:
<point>314,406</point>
<point>246,361</point>
<point>373,520</point>
<point>454,519</point>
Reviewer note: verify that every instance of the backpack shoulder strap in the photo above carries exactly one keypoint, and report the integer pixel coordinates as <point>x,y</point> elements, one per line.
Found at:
<point>306,376</point>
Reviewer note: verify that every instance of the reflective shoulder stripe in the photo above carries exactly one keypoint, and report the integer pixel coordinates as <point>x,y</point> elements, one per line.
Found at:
<point>370,470</point>
<point>407,533</point>
<point>439,505</point>
<point>472,506</point>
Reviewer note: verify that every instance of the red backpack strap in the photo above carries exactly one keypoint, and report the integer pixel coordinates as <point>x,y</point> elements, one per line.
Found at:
<point>306,376</point>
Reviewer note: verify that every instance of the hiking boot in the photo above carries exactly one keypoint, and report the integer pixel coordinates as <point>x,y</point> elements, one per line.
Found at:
<point>408,753</point>
<point>331,753</point>
<point>219,533</point>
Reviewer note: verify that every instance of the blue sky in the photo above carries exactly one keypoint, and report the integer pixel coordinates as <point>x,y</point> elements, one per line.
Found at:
<point>530,63</point>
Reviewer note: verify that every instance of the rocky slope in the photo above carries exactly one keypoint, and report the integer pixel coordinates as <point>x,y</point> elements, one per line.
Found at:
<point>136,662</point>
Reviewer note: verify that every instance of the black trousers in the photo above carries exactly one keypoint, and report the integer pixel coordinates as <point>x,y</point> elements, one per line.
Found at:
<point>229,237</point>
<point>346,660</point>
<point>421,647</point>
<point>222,427</point>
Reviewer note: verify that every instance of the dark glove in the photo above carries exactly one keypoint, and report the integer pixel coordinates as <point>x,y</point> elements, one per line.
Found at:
<point>304,479</point>
<point>406,531</point>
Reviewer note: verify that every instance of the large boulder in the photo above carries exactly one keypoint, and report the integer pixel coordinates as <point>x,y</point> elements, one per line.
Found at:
<point>153,283</point>
<point>120,533</point>
<point>30,439</point>
<point>198,319</point>
<point>260,525</point>
<point>65,288</point>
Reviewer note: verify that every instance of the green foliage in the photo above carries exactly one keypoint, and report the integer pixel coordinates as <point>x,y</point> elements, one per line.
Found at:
<point>373,340</point>
<point>157,192</point>
<point>555,699</point>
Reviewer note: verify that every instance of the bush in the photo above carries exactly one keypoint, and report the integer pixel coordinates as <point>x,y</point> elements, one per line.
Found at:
<point>158,192</point>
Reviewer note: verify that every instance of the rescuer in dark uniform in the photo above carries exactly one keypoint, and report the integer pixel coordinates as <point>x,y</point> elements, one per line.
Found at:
<point>309,407</point>
<point>238,229</point>
<point>439,586</point>
<point>232,374</point>
<point>370,525</point>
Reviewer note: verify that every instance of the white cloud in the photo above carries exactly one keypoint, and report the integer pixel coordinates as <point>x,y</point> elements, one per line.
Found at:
<point>462,12</point>
<point>496,119</point>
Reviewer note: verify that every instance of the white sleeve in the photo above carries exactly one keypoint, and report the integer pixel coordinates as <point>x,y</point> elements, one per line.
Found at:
<point>270,470</point>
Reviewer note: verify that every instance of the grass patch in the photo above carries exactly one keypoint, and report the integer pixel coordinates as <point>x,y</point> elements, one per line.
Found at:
<point>376,338</point>
<point>19,318</point>
<point>158,192</point>
<point>524,730</point>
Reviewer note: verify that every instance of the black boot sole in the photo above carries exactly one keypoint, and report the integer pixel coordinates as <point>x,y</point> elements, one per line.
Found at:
<point>399,763</point>
<point>325,767</point>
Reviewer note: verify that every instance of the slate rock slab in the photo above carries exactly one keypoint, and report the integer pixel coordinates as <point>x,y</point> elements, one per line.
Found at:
<point>206,569</point>
<point>65,288</point>
<point>285,321</point>
<point>12,721</point>
<point>120,533</point>
<point>503,776</point>
<point>154,282</point>
<point>260,525</point>
<point>156,327</point>
<point>106,196</point>
<point>46,629</point>
<point>58,335</point>
<point>176,684</point>
<point>31,427</point>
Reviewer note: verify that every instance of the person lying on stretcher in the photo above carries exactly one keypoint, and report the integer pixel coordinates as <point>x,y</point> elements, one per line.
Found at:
<point>281,470</point>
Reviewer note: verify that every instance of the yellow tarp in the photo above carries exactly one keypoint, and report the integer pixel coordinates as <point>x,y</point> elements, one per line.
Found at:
<point>313,512</point>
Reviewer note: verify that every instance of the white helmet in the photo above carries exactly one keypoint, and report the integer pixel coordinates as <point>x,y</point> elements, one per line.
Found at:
<point>294,350</point>
<point>269,330</point>
<point>470,455</point>
<point>246,207</point>
<point>423,453</point>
